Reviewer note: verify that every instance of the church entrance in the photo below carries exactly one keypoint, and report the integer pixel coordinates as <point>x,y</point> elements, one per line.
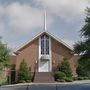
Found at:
<point>44,66</point>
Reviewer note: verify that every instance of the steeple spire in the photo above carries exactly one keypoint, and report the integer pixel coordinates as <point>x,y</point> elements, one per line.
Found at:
<point>45,22</point>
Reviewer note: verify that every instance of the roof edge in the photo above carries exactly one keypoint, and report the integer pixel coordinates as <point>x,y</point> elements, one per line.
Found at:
<point>36,36</point>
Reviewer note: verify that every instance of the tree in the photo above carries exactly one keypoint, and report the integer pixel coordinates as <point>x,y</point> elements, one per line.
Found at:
<point>65,68</point>
<point>4,55</point>
<point>83,48</point>
<point>24,74</point>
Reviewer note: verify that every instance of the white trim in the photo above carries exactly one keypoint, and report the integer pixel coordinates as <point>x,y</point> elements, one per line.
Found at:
<point>50,53</point>
<point>39,53</point>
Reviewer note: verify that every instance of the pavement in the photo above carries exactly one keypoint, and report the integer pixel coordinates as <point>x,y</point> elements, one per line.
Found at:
<point>56,83</point>
<point>84,85</point>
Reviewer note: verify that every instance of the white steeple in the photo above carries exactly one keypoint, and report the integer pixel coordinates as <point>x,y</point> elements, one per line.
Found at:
<point>45,22</point>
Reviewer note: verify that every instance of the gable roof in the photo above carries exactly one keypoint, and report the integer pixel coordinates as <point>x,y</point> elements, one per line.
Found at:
<point>52,36</point>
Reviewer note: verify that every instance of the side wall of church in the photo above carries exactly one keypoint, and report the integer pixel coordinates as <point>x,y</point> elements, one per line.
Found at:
<point>59,51</point>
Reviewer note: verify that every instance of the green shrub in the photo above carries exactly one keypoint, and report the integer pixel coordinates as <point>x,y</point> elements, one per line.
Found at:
<point>86,78</point>
<point>83,78</point>
<point>3,81</point>
<point>59,76</point>
<point>24,74</point>
<point>67,79</point>
<point>89,78</point>
<point>75,78</point>
<point>80,78</point>
<point>65,68</point>
<point>22,81</point>
<point>83,68</point>
<point>80,71</point>
<point>58,80</point>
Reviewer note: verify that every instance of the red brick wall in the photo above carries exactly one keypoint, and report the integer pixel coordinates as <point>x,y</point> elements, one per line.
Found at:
<point>59,51</point>
<point>29,54</point>
<point>13,59</point>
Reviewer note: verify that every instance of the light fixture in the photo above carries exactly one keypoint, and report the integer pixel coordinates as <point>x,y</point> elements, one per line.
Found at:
<point>54,62</point>
<point>36,61</point>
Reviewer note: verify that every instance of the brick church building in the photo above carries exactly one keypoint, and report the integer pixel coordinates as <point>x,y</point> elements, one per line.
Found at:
<point>43,54</point>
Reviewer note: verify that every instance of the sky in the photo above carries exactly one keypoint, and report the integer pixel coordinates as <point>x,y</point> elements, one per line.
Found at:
<point>21,20</point>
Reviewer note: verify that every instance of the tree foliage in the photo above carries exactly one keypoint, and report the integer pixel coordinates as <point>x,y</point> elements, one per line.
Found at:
<point>4,56</point>
<point>59,75</point>
<point>84,68</point>
<point>65,68</point>
<point>64,72</point>
<point>24,74</point>
<point>83,47</point>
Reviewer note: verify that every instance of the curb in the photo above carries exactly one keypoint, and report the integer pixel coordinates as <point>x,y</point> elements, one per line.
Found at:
<point>56,83</point>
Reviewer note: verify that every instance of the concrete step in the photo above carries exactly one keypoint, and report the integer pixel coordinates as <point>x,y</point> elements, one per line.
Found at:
<point>44,77</point>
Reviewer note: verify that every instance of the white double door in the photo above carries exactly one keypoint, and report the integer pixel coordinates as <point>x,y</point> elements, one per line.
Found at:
<point>44,66</point>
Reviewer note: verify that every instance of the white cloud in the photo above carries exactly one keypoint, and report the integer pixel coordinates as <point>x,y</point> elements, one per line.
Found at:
<point>17,19</point>
<point>2,28</point>
<point>66,9</point>
<point>22,18</point>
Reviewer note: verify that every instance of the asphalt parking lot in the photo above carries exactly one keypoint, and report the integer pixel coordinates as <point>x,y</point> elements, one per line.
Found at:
<point>49,87</point>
